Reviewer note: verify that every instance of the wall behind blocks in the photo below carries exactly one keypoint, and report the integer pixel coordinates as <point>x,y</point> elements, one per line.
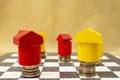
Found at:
<point>60,16</point>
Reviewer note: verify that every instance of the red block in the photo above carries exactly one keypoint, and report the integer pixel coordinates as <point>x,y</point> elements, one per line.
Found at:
<point>25,38</point>
<point>64,45</point>
<point>28,47</point>
<point>29,55</point>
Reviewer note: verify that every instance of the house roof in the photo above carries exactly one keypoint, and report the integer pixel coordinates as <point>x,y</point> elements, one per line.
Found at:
<point>25,37</point>
<point>64,37</point>
<point>43,35</point>
<point>88,36</point>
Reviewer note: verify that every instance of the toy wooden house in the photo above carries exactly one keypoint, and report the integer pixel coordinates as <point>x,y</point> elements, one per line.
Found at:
<point>64,44</point>
<point>89,45</point>
<point>43,55</point>
<point>28,47</point>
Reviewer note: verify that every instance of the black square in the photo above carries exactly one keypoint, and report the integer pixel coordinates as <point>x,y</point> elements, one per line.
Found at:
<point>77,68</point>
<point>106,60</point>
<point>107,75</point>
<point>50,69</point>
<point>41,64</point>
<point>75,60</point>
<point>66,64</point>
<point>69,75</point>
<point>1,73</point>
<point>114,68</point>
<point>6,64</point>
<point>90,79</point>
<point>51,60</point>
<point>15,69</point>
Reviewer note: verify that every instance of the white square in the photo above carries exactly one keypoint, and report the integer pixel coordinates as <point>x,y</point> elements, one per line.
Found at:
<point>52,57</point>
<point>73,57</point>
<point>69,78</point>
<point>110,64</point>
<point>77,64</point>
<point>4,68</point>
<point>42,60</point>
<point>10,60</point>
<point>117,73</point>
<point>16,64</point>
<point>40,68</point>
<point>11,75</point>
<point>96,76</point>
<point>67,69</point>
<point>28,79</point>
<point>50,75</point>
<point>14,55</point>
<point>102,69</point>
<point>51,64</point>
<point>110,78</point>
<point>104,57</point>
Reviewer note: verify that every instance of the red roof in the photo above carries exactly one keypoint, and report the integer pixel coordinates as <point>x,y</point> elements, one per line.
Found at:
<point>64,37</point>
<point>25,37</point>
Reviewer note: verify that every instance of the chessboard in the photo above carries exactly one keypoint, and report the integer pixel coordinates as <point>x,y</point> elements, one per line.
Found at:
<point>52,69</point>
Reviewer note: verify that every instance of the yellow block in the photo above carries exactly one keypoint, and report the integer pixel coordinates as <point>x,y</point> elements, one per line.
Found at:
<point>44,38</point>
<point>90,46</point>
<point>88,52</point>
<point>100,50</point>
<point>88,36</point>
<point>43,47</point>
<point>43,35</point>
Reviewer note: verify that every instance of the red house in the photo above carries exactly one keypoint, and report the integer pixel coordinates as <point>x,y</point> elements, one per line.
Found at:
<point>64,45</point>
<point>28,47</point>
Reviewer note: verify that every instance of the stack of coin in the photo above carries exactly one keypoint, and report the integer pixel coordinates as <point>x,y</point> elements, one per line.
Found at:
<point>30,71</point>
<point>65,58</point>
<point>43,55</point>
<point>87,69</point>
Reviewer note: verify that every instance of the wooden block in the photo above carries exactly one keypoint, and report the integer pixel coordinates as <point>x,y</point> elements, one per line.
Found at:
<point>64,45</point>
<point>25,38</point>
<point>89,45</point>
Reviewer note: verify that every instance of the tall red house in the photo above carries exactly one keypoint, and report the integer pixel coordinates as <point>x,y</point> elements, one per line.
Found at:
<point>28,47</point>
<point>64,45</point>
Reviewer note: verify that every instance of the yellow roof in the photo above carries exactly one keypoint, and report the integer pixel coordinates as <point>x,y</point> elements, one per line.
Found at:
<point>43,35</point>
<point>88,36</point>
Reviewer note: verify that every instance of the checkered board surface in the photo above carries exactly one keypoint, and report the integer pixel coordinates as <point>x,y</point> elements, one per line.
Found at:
<point>52,69</point>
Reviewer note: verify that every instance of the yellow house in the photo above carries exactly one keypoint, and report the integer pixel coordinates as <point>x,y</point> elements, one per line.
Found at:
<point>43,45</point>
<point>89,45</point>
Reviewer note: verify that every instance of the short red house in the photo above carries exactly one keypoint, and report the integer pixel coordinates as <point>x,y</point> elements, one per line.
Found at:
<point>28,47</point>
<point>64,44</point>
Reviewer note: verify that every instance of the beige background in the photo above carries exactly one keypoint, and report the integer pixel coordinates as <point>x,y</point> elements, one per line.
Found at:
<point>60,16</point>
